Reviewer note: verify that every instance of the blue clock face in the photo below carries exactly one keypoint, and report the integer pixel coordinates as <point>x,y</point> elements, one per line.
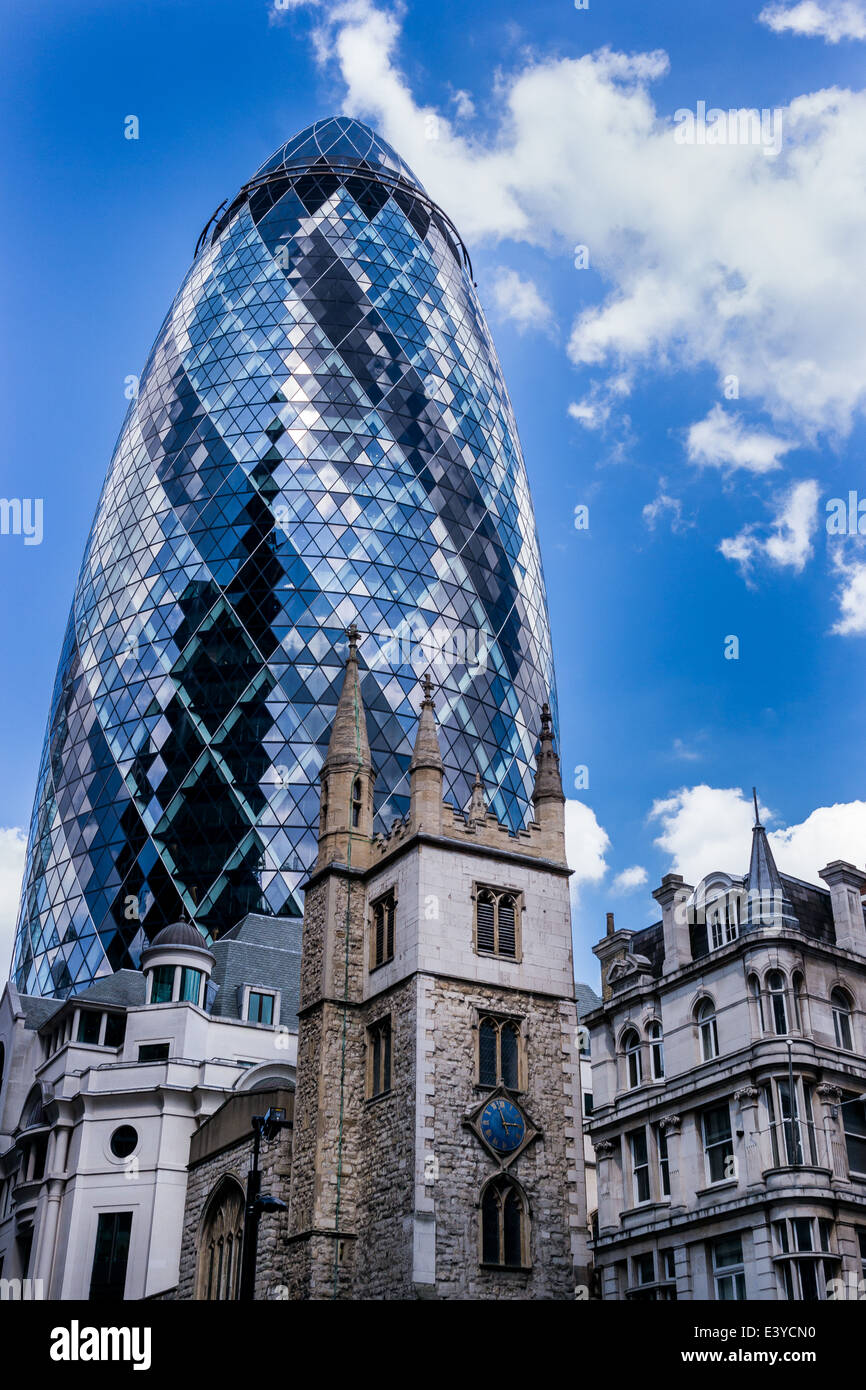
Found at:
<point>502,1125</point>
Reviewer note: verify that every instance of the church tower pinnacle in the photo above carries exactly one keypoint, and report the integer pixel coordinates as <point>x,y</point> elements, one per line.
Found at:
<point>426,769</point>
<point>548,797</point>
<point>346,807</point>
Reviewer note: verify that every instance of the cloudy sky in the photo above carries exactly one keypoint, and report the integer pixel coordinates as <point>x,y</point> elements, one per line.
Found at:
<point>677,295</point>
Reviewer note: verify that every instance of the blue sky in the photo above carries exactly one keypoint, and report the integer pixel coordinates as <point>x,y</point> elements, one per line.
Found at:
<point>538,128</point>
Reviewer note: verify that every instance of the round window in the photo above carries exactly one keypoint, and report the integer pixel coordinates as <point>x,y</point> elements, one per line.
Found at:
<point>123,1141</point>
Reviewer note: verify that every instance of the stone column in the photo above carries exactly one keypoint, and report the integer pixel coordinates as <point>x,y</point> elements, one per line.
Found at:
<point>671,1127</point>
<point>835,1155</point>
<point>747,1099</point>
<point>609,1178</point>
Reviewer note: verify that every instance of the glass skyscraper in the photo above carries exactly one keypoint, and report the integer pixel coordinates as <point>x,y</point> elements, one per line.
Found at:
<point>321,435</point>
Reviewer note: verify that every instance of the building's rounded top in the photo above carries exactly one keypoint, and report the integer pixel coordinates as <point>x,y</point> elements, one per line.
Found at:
<point>179,934</point>
<point>339,140</point>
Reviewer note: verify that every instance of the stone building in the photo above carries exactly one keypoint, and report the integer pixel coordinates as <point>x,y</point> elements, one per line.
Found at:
<point>728,1079</point>
<point>219,1163</point>
<point>101,1094</point>
<point>437,1145</point>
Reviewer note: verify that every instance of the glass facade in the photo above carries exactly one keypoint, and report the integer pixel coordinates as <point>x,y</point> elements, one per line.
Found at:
<point>321,435</point>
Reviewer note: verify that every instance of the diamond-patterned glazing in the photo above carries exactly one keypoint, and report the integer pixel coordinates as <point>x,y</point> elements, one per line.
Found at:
<point>322,435</point>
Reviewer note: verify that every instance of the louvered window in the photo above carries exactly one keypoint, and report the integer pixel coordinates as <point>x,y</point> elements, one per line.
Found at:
<point>496,923</point>
<point>382,935</point>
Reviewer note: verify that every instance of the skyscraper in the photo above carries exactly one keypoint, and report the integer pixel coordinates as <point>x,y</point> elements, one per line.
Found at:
<point>321,436</point>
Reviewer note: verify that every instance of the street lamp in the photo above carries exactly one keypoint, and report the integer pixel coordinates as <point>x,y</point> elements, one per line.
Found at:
<point>265,1127</point>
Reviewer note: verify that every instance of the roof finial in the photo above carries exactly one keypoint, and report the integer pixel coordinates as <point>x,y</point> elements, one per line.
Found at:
<point>353,634</point>
<point>755,799</point>
<point>427,687</point>
<point>546,722</point>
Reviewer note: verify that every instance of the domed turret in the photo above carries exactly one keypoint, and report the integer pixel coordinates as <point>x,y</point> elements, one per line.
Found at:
<point>177,965</point>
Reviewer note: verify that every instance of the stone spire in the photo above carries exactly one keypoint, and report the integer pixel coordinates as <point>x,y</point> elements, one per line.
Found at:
<point>548,797</point>
<point>425,769</point>
<point>349,745</point>
<point>768,905</point>
<point>477,805</point>
<point>346,807</point>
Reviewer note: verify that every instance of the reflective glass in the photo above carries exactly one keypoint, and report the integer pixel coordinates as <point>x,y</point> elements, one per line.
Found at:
<point>321,435</point>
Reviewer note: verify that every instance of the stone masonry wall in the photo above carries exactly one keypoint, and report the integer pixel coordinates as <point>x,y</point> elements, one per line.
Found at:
<point>548,1170</point>
<point>204,1177</point>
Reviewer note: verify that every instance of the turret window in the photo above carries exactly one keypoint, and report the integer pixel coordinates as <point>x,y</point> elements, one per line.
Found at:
<point>778,1002</point>
<point>190,985</point>
<point>162,984</point>
<point>384,912</point>
<point>356,803</point>
<point>497,917</point>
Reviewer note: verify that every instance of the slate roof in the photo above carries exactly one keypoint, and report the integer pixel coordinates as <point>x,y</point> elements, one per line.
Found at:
<point>586,997</point>
<point>259,951</point>
<point>37,1011</point>
<point>811,906</point>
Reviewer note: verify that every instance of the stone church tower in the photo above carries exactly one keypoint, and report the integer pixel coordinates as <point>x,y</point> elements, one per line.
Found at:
<point>437,1147</point>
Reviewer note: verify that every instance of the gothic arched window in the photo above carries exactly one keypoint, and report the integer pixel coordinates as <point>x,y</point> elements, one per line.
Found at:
<point>356,803</point>
<point>504,1225</point>
<point>499,1053</point>
<point>219,1248</point>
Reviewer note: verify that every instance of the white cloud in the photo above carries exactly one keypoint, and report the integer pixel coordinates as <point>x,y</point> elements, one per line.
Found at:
<point>682,750</point>
<point>723,441</point>
<point>520,301</point>
<point>789,542</point>
<point>630,879</point>
<point>13,843</point>
<point>585,845</point>
<point>464,106</point>
<point>851,597</point>
<point>590,414</point>
<point>670,227</point>
<point>830,20</point>
<point>705,828</point>
<point>664,505</point>
<point>281,9</point>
